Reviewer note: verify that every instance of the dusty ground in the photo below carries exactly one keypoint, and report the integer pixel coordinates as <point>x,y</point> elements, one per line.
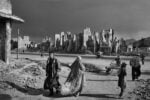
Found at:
<point>99,85</point>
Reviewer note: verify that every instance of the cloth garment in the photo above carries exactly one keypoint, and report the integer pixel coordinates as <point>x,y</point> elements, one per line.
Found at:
<point>52,77</point>
<point>76,79</point>
<point>136,68</point>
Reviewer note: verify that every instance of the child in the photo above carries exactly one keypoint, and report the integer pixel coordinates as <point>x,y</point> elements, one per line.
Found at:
<point>122,78</point>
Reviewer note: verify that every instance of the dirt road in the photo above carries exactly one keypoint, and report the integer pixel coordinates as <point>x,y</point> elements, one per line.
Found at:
<point>99,86</point>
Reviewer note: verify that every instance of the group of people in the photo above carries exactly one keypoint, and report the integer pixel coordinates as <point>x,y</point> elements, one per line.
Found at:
<point>76,79</point>
<point>135,67</point>
<point>74,83</point>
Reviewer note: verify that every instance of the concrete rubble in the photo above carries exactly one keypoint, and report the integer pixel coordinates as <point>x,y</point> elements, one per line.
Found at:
<point>26,73</point>
<point>142,90</point>
<point>22,73</point>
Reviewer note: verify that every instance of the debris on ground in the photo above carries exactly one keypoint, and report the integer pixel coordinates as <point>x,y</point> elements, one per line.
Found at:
<point>33,70</point>
<point>21,73</point>
<point>142,90</point>
<point>29,73</point>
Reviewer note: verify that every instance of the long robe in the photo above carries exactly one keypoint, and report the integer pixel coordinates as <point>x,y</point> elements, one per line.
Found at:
<point>121,81</point>
<point>75,80</point>
<point>136,67</point>
<point>52,69</point>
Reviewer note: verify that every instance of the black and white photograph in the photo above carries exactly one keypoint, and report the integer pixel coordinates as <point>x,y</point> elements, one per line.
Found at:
<point>74,49</point>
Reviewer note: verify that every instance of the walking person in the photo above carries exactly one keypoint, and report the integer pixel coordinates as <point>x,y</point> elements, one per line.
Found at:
<point>142,56</point>
<point>136,67</point>
<point>118,60</point>
<point>122,78</point>
<point>138,70</point>
<point>76,79</point>
<point>52,79</point>
<point>82,72</point>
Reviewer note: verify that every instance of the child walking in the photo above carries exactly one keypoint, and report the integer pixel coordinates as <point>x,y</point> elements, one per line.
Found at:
<point>122,78</point>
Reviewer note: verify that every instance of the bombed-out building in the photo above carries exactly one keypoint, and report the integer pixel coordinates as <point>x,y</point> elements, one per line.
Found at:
<point>57,41</point>
<point>97,41</point>
<point>24,43</point>
<point>86,35</point>
<point>107,39</point>
<point>6,20</point>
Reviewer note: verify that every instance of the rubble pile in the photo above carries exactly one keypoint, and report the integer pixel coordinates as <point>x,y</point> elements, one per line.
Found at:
<point>4,70</point>
<point>18,63</point>
<point>28,73</point>
<point>33,70</point>
<point>142,91</point>
<point>42,64</point>
<point>24,81</point>
<point>4,86</point>
<point>3,66</point>
<point>92,68</point>
<point>30,77</point>
<point>23,73</point>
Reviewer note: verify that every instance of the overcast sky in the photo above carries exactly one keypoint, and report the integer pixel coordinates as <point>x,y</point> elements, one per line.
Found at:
<point>129,18</point>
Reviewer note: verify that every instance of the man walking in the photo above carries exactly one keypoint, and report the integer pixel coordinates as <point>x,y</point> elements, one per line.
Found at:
<point>122,78</point>
<point>136,67</point>
<point>52,79</point>
<point>142,58</point>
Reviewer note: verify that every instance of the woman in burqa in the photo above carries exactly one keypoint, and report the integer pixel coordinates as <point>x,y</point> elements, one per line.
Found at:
<point>76,79</point>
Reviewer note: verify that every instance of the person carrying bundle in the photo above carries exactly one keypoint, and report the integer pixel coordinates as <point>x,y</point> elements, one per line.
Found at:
<point>52,77</point>
<point>76,79</point>
<point>122,78</point>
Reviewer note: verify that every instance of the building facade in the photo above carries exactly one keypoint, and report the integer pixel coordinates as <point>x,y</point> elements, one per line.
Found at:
<point>6,20</point>
<point>86,33</point>
<point>23,43</point>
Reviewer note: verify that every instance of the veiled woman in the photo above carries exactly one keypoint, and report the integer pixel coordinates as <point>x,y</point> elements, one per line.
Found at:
<point>76,79</point>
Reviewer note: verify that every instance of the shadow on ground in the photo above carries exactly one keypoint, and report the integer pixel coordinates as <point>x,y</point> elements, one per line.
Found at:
<point>115,80</point>
<point>33,91</point>
<point>103,73</point>
<point>26,90</point>
<point>100,80</point>
<point>5,97</point>
<point>106,96</point>
<point>146,72</point>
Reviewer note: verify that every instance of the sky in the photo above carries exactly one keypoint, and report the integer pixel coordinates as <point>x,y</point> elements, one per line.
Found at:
<point>128,18</point>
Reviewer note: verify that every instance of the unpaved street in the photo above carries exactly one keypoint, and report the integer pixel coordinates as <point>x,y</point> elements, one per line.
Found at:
<point>99,86</point>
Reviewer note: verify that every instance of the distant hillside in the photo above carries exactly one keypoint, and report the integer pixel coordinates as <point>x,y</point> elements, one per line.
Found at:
<point>144,42</point>
<point>130,41</point>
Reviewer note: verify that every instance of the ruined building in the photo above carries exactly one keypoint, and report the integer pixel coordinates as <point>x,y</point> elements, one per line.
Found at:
<point>57,41</point>
<point>86,34</point>
<point>6,20</point>
<point>107,40</point>
<point>23,43</point>
<point>97,41</point>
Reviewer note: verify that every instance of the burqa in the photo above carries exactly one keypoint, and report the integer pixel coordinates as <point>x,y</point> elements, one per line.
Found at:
<point>76,79</point>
